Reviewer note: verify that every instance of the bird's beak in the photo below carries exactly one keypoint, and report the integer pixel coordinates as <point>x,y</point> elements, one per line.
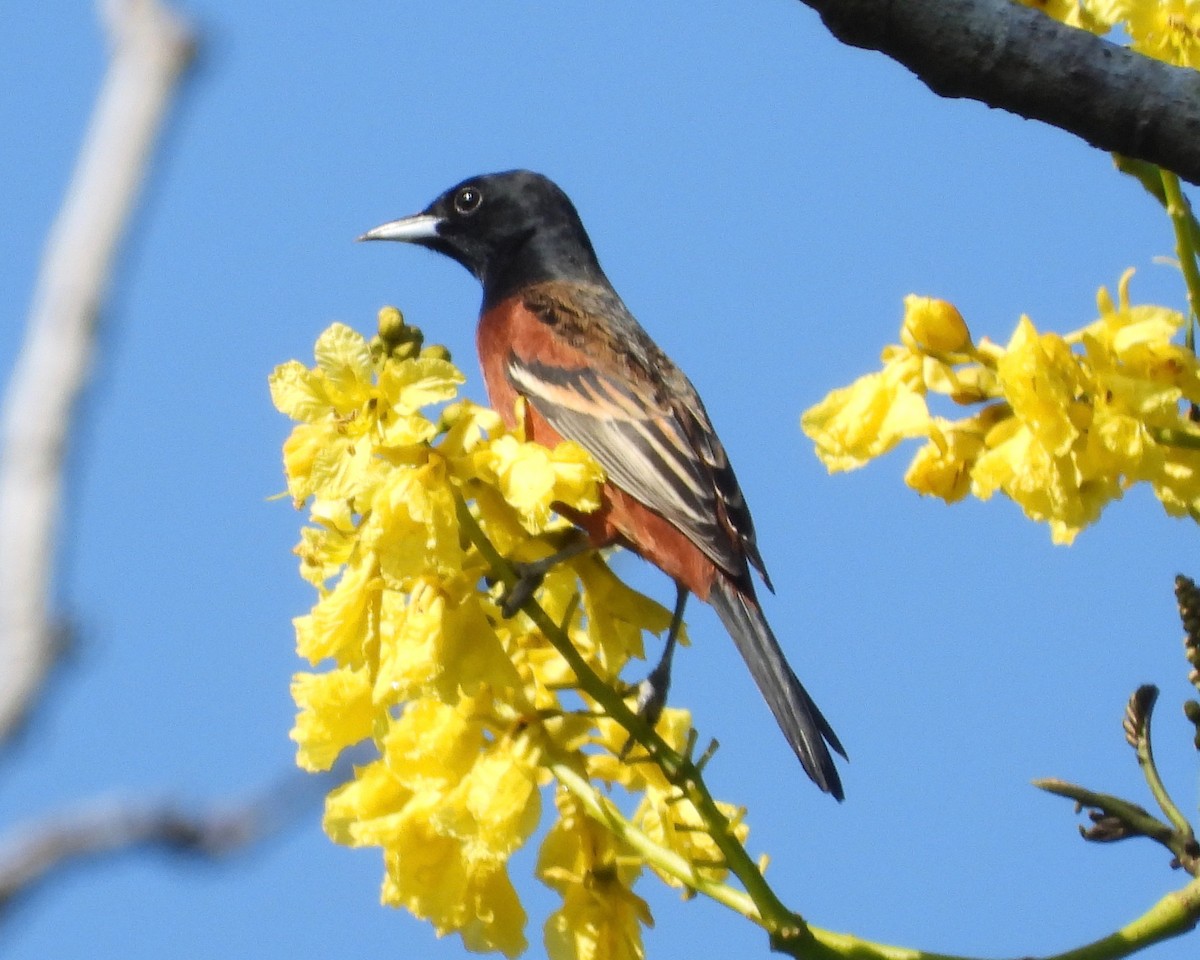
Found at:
<point>422,226</point>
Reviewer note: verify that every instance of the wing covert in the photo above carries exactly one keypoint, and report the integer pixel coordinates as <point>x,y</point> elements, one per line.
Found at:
<point>642,445</point>
<point>598,379</point>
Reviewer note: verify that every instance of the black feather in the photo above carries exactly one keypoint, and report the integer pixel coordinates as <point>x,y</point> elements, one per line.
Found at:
<point>798,717</point>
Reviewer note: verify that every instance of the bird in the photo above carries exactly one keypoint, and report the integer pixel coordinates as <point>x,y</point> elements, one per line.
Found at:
<point>554,331</point>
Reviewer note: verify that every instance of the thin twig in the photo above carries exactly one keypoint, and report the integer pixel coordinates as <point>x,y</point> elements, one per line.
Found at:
<point>36,852</point>
<point>783,924</point>
<point>1150,177</point>
<point>151,47</point>
<point>1138,716</point>
<point>1135,821</point>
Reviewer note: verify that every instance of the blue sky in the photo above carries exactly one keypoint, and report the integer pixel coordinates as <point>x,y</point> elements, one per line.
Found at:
<point>763,198</point>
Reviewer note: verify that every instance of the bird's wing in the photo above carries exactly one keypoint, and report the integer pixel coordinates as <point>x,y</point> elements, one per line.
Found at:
<point>606,386</point>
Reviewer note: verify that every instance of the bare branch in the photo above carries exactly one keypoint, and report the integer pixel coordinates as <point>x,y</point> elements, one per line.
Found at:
<point>1018,59</point>
<point>151,47</point>
<point>35,853</point>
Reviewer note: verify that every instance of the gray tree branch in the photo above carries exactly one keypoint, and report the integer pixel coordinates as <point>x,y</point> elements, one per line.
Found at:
<point>150,48</point>
<point>41,850</point>
<point>1016,58</point>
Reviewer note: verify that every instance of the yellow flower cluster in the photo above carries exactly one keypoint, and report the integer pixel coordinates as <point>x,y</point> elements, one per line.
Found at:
<point>1074,13</point>
<point>466,712</point>
<point>1062,424</point>
<point>1167,30</point>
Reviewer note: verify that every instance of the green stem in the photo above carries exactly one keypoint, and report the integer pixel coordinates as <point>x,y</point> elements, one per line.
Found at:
<point>1174,914</point>
<point>774,916</point>
<point>589,681</point>
<point>604,811</point>
<point>1183,835</point>
<point>1151,178</point>
<point>1185,439</point>
<point>1184,223</point>
<point>1140,822</point>
<point>1180,840</point>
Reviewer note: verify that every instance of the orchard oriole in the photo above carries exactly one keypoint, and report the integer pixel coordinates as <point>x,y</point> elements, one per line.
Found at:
<point>553,330</point>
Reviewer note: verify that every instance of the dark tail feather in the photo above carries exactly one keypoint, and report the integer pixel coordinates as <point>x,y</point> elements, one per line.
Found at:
<point>798,717</point>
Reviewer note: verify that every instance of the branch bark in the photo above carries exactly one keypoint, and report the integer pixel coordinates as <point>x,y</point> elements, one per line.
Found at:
<point>151,47</point>
<point>40,851</point>
<point>1017,59</point>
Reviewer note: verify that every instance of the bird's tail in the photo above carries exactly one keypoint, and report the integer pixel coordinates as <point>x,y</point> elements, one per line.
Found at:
<point>798,717</point>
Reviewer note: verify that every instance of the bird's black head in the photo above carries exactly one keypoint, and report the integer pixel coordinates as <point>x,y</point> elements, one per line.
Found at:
<point>509,229</point>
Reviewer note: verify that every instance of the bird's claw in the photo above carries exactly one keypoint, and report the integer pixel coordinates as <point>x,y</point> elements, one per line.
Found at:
<point>650,700</point>
<point>531,574</point>
<point>529,578</point>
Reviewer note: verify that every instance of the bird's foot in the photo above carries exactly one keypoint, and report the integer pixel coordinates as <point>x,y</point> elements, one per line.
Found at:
<point>650,700</point>
<point>529,578</point>
<point>531,573</point>
<point>652,692</point>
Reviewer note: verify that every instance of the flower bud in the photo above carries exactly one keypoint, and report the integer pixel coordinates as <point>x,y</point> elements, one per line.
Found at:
<point>933,326</point>
<point>397,337</point>
<point>435,351</point>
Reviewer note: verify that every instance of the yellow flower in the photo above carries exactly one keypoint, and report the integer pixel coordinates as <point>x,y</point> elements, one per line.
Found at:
<point>855,424</point>
<point>335,712</point>
<point>344,367</point>
<point>532,479</point>
<point>343,623</point>
<point>466,808</point>
<point>324,550</point>
<point>429,874</point>
<point>412,527</point>
<point>1045,385</point>
<point>433,745</point>
<point>942,467</point>
<point>1130,348</point>
<point>1068,422</point>
<point>462,705</point>
<point>404,388</point>
<point>674,823</point>
<point>601,917</point>
<point>1177,485</point>
<point>1048,488</point>
<point>345,415</point>
<point>674,726</point>
<point>933,326</point>
<point>618,616</point>
<point>496,806</point>
<point>354,810</point>
<point>964,384</point>
<point>1165,29</point>
<point>410,643</point>
<point>1084,14</point>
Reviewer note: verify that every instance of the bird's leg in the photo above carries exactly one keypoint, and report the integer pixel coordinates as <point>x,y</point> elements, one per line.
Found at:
<point>652,692</point>
<point>530,575</point>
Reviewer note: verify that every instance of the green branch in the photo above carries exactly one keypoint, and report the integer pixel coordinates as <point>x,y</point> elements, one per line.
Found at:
<point>1115,819</point>
<point>601,809</point>
<point>1184,223</point>
<point>1173,915</point>
<point>1186,439</point>
<point>1164,186</point>
<point>1151,178</point>
<point>1138,715</point>
<point>779,921</point>
<point>1176,913</point>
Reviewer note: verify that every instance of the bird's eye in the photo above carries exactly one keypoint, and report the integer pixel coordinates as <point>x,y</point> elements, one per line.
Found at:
<point>467,200</point>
